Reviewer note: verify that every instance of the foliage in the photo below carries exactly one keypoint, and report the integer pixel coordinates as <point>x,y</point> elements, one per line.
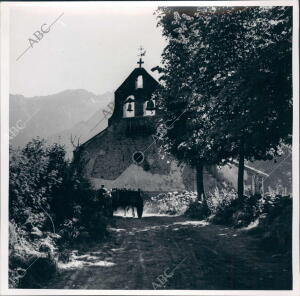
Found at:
<point>220,198</point>
<point>24,251</point>
<point>240,212</point>
<point>35,173</point>
<point>275,223</point>
<point>74,192</point>
<point>70,229</point>
<point>171,203</point>
<point>95,216</point>
<point>197,210</point>
<point>47,195</point>
<point>216,200</point>
<point>268,217</point>
<point>233,95</point>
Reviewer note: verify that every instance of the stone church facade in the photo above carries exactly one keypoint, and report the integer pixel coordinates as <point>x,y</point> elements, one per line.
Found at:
<point>125,153</point>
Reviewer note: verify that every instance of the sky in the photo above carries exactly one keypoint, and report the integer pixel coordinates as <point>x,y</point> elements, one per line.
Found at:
<point>92,47</point>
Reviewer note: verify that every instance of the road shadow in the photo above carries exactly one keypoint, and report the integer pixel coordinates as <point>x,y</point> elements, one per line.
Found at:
<point>139,252</point>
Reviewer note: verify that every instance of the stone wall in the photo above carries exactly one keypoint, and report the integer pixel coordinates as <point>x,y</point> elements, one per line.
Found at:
<point>110,162</point>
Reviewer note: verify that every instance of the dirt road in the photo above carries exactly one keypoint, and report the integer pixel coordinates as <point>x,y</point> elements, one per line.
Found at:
<point>162,252</point>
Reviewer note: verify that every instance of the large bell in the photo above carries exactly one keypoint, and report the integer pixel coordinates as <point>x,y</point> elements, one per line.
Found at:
<point>129,108</point>
<point>150,106</point>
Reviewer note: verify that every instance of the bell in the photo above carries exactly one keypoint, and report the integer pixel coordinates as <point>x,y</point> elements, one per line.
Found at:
<point>150,106</point>
<point>129,108</point>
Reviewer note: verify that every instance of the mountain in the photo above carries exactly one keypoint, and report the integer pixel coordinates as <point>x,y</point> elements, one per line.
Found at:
<point>56,117</point>
<point>82,131</point>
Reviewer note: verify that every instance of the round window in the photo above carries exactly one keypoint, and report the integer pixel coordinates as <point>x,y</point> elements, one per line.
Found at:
<point>138,157</point>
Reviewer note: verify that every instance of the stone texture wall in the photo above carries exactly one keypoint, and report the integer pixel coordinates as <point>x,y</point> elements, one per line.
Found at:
<point>110,162</point>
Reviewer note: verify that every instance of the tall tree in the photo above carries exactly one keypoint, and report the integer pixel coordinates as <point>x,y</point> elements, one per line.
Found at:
<point>220,84</point>
<point>257,98</point>
<point>186,109</point>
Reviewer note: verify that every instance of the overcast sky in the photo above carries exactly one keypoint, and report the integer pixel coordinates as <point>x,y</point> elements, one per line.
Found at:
<point>90,47</point>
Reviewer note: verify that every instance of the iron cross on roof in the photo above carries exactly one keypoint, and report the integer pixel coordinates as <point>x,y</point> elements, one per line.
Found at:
<point>141,54</point>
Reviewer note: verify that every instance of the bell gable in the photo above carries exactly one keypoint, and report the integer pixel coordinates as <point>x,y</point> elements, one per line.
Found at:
<point>133,97</point>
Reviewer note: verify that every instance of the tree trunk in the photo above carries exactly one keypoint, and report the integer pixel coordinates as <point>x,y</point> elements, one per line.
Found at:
<point>241,169</point>
<point>200,184</point>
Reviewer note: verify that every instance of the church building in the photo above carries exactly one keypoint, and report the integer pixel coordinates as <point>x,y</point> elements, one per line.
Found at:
<point>125,154</point>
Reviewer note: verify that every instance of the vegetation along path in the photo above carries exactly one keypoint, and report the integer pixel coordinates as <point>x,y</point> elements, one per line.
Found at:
<point>163,252</point>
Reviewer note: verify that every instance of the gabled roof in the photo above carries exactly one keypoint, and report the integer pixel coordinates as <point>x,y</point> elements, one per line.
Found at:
<point>136,72</point>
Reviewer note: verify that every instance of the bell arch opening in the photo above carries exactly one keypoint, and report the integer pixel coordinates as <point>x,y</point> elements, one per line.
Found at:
<point>149,108</point>
<point>129,107</point>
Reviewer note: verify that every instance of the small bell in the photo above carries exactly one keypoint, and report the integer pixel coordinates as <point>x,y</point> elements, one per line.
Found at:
<point>150,106</point>
<point>129,108</point>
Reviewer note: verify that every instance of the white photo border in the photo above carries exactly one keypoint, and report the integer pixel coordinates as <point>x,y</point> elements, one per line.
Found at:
<point>4,148</point>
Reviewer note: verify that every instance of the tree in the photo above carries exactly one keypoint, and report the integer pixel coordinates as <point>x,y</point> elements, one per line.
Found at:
<point>187,137</point>
<point>257,98</point>
<point>35,174</point>
<point>220,84</point>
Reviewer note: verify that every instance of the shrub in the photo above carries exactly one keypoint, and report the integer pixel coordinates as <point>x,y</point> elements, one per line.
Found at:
<point>70,230</point>
<point>171,203</point>
<point>31,261</point>
<point>275,223</point>
<point>197,210</point>
<point>219,199</point>
<point>215,201</point>
<point>272,212</point>
<point>47,193</point>
<point>237,212</point>
<point>89,217</point>
<point>36,172</point>
<point>96,226</point>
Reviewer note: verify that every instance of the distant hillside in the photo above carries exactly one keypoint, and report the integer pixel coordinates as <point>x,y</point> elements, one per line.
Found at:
<point>56,117</point>
<point>82,131</point>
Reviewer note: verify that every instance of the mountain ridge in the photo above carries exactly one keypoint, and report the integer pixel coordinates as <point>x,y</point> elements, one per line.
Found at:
<point>51,116</point>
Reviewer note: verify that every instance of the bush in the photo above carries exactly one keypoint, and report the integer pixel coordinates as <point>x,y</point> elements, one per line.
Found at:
<point>70,230</point>
<point>219,199</point>
<point>31,261</point>
<point>214,202</point>
<point>275,223</point>
<point>273,214</point>
<point>88,220</point>
<point>36,171</point>
<point>197,210</point>
<point>96,226</point>
<point>47,194</point>
<point>238,212</point>
<point>171,203</point>
<point>39,270</point>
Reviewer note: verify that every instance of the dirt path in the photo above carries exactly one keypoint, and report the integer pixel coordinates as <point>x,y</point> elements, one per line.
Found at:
<point>161,252</point>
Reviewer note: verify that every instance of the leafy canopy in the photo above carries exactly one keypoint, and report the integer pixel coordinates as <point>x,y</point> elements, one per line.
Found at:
<point>226,75</point>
